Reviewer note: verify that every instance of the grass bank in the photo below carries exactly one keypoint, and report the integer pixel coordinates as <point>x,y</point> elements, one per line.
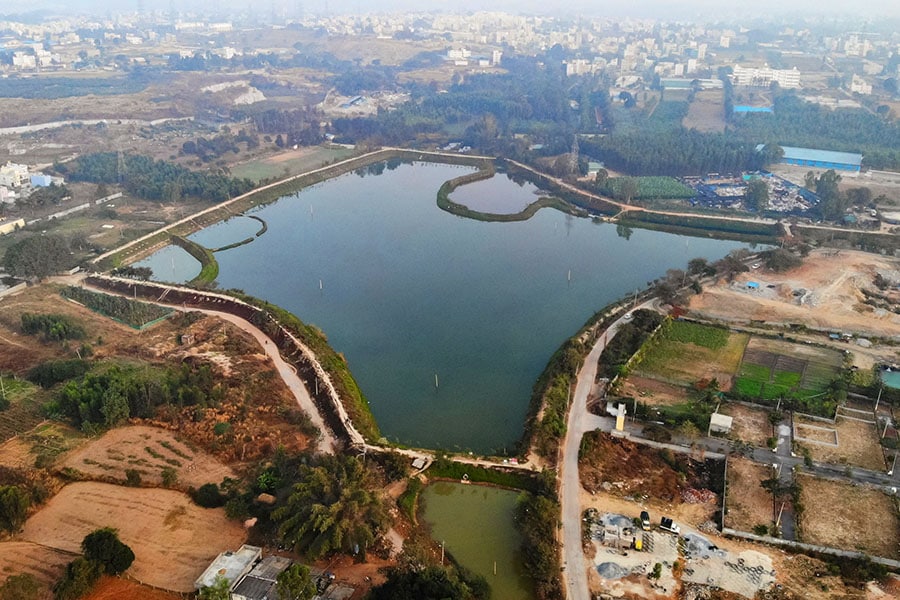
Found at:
<point>209,266</point>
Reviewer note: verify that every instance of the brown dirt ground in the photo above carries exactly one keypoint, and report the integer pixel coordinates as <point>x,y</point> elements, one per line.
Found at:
<point>857,445</point>
<point>16,453</point>
<point>653,391</point>
<point>45,564</point>
<point>114,588</point>
<point>858,518</point>
<point>172,538</point>
<point>707,112</point>
<point>748,503</point>
<point>126,448</point>
<point>815,434</point>
<point>835,281</point>
<point>750,425</point>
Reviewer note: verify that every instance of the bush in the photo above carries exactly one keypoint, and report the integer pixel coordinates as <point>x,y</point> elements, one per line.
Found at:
<point>56,328</point>
<point>132,477</point>
<point>761,529</point>
<point>208,496</point>
<point>657,433</point>
<point>14,503</point>
<point>80,576</point>
<point>20,587</point>
<point>51,372</point>
<point>169,476</point>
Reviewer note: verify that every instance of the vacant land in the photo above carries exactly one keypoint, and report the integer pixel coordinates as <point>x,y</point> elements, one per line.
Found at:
<point>750,425</point>
<point>45,564</point>
<point>173,539</point>
<point>834,282</point>
<point>858,518</point>
<point>707,112</point>
<point>857,443</point>
<point>115,588</point>
<point>690,352</point>
<point>654,392</point>
<point>748,503</point>
<point>149,450</point>
<point>290,162</point>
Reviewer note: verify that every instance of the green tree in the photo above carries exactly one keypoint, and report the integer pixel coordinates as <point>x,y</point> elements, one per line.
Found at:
<point>781,260</point>
<point>832,203</point>
<point>219,590</point>
<point>14,503</point>
<point>628,189</point>
<point>294,583</point>
<point>37,257</point>
<point>104,547</point>
<point>757,194</point>
<point>430,583</point>
<point>333,508</point>
<point>80,576</point>
<point>20,587</point>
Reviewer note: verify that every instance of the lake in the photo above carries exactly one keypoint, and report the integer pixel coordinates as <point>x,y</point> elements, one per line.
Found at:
<point>476,525</point>
<point>446,322</point>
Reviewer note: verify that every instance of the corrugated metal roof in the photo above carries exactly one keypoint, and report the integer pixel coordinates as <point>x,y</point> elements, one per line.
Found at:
<point>825,156</point>
<point>253,588</point>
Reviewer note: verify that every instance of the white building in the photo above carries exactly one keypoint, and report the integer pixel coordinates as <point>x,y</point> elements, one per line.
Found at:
<point>858,85</point>
<point>764,76</point>
<point>21,60</point>
<point>13,175</point>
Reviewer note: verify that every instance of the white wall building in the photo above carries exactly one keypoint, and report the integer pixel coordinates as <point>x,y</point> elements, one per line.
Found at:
<point>13,175</point>
<point>764,76</point>
<point>858,85</point>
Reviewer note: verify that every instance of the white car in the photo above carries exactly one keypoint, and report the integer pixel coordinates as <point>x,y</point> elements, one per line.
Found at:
<point>627,316</point>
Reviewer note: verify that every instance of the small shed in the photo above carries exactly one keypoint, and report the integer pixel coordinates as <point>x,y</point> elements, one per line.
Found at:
<point>719,423</point>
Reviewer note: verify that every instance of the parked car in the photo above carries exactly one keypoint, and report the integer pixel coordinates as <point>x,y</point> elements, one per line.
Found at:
<point>666,524</point>
<point>645,520</point>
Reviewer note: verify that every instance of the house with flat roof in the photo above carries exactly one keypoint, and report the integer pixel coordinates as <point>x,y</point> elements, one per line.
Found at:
<point>231,566</point>
<point>260,582</point>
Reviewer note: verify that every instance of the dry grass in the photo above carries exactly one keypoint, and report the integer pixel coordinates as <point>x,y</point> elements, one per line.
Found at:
<point>748,503</point>
<point>149,450</point>
<point>169,552</point>
<point>654,392</point>
<point>852,517</point>
<point>45,564</point>
<point>750,425</point>
<point>857,444</point>
<point>115,588</point>
<point>707,112</point>
<point>815,434</point>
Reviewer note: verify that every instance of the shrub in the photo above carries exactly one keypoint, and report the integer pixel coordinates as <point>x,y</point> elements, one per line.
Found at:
<point>80,576</point>
<point>169,476</point>
<point>208,496</point>
<point>104,547</point>
<point>132,477</point>
<point>657,433</point>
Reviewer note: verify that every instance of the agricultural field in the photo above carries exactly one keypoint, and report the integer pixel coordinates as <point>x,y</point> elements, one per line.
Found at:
<point>847,442</point>
<point>115,588</point>
<point>291,162</point>
<point>173,539</point>
<point>858,517</point>
<point>651,188</point>
<point>149,450</point>
<point>133,313</point>
<point>750,425</point>
<point>654,392</point>
<point>771,370</point>
<point>24,412</point>
<point>690,352</point>
<point>45,564</point>
<point>748,504</point>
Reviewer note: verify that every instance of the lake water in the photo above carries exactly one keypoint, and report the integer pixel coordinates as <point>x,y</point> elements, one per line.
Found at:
<point>476,524</point>
<point>499,195</point>
<point>410,293</point>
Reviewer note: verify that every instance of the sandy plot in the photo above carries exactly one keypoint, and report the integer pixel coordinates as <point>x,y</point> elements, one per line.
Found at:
<point>149,450</point>
<point>748,504</point>
<point>848,516</point>
<point>654,392</point>
<point>707,112</point>
<point>857,444</point>
<point>750,425</point>
<point>815,434</point>
<point>115,588</point>
<point>45,564</point>
<point>835,303</point>
<point>173,539</point>
<point>16,453</point>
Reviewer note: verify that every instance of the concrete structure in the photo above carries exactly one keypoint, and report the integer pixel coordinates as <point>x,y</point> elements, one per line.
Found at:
<point>10,226</point>
<point>259,584</point>
<point>765,76</point>
<point>821,159</point>
<point>232,566</point>
<point>13,175</point>
<point>720,423</point>
<point>858,85</point>
<point>41,180</point>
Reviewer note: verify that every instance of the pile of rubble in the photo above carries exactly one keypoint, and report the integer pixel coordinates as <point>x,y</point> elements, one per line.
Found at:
<point>695,496</point>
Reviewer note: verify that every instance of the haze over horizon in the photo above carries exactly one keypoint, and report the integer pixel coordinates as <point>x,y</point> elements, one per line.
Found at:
<point>688,10</point>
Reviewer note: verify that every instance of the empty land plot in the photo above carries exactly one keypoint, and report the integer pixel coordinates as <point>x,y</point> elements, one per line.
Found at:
<point>45,564</point>
<point>689,352</point>
<point>173,539</point>
<point>750,425</point>
<point>843,515</point>
<point>707,112</point>
<point>115,588</point>
<point>289,163</point>
<point>815,434</point>
<point>149,450</point>
<point>857,443</point>
<point>654,392</point>
<point>748,504</point>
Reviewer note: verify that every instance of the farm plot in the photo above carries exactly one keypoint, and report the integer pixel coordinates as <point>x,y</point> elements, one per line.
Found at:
<point>45,564</point>
<point>24,412</point>
<point>858,518</point>
<point>848,442</point>
<point>149,450</point>
<point>689,352</point>
<point>773,370</point>
<point>750,425</point>
<point>172,538</point>
<point>748,504</point>
<point>114,588</point>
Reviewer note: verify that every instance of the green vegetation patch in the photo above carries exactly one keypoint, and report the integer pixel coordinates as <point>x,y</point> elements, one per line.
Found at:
<point>446,468</point>
<point>685,351</point>
<point>707,336</point>
<point>133,313</point>
<point>649,188</point>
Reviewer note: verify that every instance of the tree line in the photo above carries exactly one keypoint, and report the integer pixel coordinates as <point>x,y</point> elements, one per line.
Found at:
<point>144,177</point>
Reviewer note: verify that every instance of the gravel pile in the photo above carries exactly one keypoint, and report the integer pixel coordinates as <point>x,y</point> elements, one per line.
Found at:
<point>611,570</point>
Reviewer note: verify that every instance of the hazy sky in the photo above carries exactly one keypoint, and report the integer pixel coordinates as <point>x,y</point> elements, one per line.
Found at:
<point>683,9</point>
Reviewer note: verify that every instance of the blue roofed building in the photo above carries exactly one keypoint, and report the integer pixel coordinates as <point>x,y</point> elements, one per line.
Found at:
<point>820,159</point>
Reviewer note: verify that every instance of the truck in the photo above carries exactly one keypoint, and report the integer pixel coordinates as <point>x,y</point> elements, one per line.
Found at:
<point>666,524</point>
